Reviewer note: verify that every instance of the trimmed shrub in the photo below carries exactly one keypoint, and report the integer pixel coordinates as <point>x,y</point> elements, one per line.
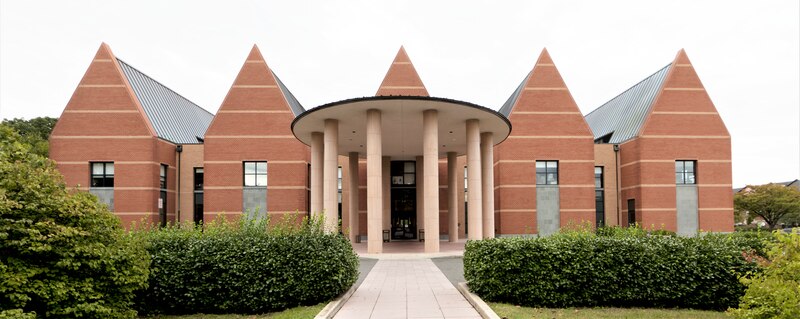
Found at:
<point>774,293</point>
<point>621,268</point>
<point>245,267</point>
<point>62,254</point>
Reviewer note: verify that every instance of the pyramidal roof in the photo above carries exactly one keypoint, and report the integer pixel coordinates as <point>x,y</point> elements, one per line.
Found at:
<point>623,116</point>
<point>402,78</point>
<point>173,117</point>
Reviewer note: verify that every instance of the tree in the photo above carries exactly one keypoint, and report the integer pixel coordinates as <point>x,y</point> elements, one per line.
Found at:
<point>35,132</point>
<point>62,253</point>
<point>773,202</point>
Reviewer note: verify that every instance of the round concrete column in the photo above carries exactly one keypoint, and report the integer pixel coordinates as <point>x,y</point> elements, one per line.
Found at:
<point>330,199</point>
<point>430,147</point>
<point>316,174</point>
<point>487,178</point>
<point>419,181</point>
<point>474,204</point>
<point>353,198</point>
<point>452,196</point>
<point>374,187</point>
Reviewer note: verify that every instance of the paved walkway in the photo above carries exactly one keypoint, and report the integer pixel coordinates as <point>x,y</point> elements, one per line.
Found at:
<point>406,289</point>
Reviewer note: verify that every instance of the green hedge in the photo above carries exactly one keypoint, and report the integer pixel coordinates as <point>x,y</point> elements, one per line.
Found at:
<point>245,267</point>
<point>620,268</point>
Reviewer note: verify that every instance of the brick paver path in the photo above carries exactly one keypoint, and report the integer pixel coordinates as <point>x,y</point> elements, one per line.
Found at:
<point>406,289</point>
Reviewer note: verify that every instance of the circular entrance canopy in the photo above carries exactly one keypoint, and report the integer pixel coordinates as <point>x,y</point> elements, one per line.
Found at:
<point>401,118</point>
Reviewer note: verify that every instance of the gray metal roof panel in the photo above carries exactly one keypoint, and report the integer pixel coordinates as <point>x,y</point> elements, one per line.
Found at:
<point>174,117</point>
<point>623,116</point>
<point>512,100</point>
<point>295,105</point>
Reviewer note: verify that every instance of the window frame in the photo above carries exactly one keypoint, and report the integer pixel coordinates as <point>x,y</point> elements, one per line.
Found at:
<point>256,173</point>
<point>107,180</point>
<point>599,196</point>
<point>550,169</point>
<point>162,176</point>
<point>684,172</point>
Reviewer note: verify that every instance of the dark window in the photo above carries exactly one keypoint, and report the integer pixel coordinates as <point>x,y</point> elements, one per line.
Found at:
<point>631,212</point>
<point>255,174</point>
<point>198,178</point>
<point>599,197</point>
<point>466,207</point>
<point>198,194</point>
<point>598,177</point>
<point>685,172</point>
<point>339,194</point>
<point>404,173</point>
<point>102,174</point>
<point>546,172</point>
<point>163,176</point>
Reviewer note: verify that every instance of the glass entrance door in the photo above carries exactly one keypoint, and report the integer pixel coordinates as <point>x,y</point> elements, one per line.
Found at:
<point>404,213</point>
<point>403,200</point>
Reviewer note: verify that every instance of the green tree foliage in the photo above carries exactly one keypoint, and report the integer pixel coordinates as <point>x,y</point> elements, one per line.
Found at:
<point>62,254</point>
<point>34,132</point>
<point>775,292</point>
<point>245,267</point>
<point>773,202</point>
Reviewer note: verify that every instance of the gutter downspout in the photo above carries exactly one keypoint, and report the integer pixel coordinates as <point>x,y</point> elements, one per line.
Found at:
<point>179,149</point>
<point>619,195</point>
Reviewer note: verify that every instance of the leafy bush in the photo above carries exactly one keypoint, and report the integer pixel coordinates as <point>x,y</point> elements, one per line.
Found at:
<point>774,293</point>
<point>245,267</point>
<point>620,268</point>
<point>63,255</point>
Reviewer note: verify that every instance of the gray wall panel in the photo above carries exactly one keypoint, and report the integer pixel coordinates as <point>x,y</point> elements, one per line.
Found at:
<point>254,202</point>
<point>105,195</point>
<point>686,205</point>
<point>547,210</point>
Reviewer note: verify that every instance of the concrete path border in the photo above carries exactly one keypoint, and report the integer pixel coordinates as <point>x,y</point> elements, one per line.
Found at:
<point>333,307</point>
<point>483,309</point>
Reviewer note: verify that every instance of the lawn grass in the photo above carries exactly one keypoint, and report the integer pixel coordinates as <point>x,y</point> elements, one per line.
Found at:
<point>292,313</point>
<point>517,312</point>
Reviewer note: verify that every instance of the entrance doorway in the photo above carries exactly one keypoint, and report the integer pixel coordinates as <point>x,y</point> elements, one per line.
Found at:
<point>403,200</point>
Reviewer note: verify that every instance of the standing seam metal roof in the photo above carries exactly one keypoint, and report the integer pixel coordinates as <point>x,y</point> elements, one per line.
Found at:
<point>512,100</point>
<point>297,109</point>
<point>174,117</point>
<point>623,116</point>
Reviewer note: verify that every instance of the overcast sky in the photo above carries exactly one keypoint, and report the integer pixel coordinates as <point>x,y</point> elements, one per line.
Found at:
<point>747,54</point>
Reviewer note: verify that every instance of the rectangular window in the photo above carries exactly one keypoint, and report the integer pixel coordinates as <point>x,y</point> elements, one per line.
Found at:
<point>599,197</point>
<point>339,187</point>
<point>404,173</point>
<point>598,177</point>
<point>685,172</point>
<point>198,194</point>
<point>102,174</point>
<point>162,176</point>
<point>546,172</point>
<point>198,178</point>
<point>255,174</point>
<point>631,212</point>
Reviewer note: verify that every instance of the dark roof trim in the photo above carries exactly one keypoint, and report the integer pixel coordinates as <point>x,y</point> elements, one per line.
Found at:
<point>401,97</point>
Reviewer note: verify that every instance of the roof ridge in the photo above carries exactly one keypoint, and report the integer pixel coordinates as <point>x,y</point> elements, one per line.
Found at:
<point>164,86</point>
<point>628,89</point>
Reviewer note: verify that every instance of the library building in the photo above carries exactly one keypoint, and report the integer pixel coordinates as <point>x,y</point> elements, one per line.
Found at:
<point>402,165</point>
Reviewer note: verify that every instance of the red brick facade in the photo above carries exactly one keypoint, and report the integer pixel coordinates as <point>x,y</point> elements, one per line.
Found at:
<point>105,122</point>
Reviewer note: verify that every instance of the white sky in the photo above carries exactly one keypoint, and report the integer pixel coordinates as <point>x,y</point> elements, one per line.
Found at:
<point>746,53</point>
